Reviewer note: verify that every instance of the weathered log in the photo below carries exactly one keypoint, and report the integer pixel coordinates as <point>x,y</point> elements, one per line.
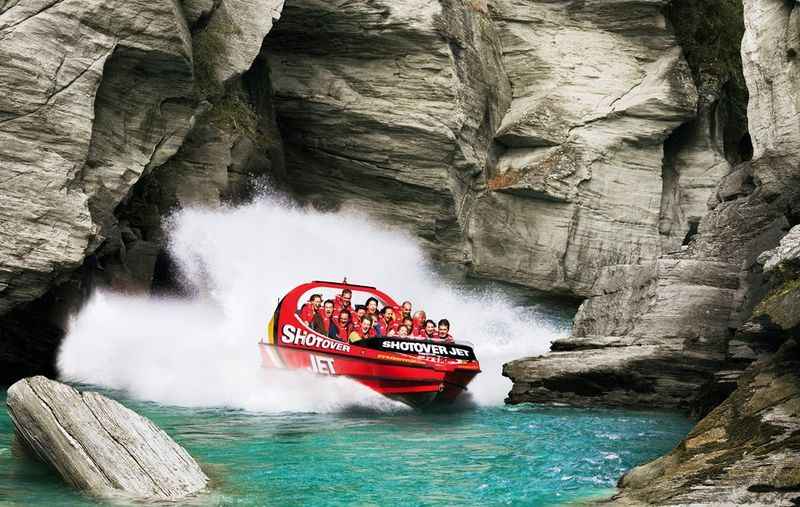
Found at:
<point>98,445</point>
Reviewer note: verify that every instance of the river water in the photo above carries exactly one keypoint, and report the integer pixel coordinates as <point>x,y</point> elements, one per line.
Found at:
<point>290,438</point>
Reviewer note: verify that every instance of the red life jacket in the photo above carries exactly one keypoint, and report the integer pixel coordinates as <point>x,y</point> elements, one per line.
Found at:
<point>388,326</point>
<point>340,304</point>
<point>342,332</point>
<point>307,313</point>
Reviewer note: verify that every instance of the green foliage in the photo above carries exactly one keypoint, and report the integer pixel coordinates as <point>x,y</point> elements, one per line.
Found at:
<point>208,43</point>
<point>233,112</point>
<point>770,304</point>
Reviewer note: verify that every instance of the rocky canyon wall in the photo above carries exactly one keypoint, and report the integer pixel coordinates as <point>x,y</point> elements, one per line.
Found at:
<point>569,146</point>
<point>390,107</point>
<point>113,113</point>
<point>528,134</point>
<point>661,330</point>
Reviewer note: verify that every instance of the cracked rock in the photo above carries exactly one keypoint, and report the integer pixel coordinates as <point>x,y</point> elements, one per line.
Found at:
<point>98,445</point>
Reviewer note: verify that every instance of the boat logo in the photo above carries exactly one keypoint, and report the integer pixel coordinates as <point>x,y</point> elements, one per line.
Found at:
<point>425,348</point>
<point>321,365</point>
<point>292,335</point>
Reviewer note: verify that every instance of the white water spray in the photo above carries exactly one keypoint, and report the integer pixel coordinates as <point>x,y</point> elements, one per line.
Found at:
<point>238,262</point>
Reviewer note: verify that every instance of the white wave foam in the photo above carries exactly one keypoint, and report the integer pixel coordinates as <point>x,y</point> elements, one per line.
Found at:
<point>237,263</point>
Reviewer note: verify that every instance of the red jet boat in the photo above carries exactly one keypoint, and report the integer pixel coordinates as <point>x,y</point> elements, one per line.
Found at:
<point>414,371</point>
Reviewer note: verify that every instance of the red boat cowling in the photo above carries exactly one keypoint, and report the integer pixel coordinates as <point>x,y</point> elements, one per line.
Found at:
<point>416,372</point>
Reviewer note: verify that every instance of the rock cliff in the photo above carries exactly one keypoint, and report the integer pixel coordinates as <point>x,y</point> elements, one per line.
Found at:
<point>747,449</point>
<point>387,103</point>
<point>115,113</point>
<point>525,163</point>
<point>576,189</point>
<point>665,327</point>
<point>95,94</point>
<point>537,140</point>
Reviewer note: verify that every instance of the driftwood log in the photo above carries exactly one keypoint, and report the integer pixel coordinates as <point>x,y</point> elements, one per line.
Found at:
<point>100,446</point>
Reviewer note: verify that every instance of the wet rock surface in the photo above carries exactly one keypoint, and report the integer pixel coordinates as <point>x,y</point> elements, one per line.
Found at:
<point>746,451</point>
<point>98,445</point>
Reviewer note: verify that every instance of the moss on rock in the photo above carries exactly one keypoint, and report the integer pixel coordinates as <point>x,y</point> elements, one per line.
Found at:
<point>233,112</point>
<point>782,305</point>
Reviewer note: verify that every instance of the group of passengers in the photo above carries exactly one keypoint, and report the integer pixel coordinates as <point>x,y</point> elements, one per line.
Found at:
<point>337,318</point>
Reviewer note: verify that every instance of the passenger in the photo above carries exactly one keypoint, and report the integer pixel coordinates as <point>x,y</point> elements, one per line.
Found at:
<point>444,331</point>
<point>322,321</point>
<point>362,331</point>
<point>406,309</point>
<point>343,301</point>
<point>429,332</point>
<point>310,309</point>
<point>409,323</point>
<point>361,310</point>
<point>387,322</point>
<point>341,327</point>
<point>418,326</point>
<point>402,331</point>
<point>372,307</point>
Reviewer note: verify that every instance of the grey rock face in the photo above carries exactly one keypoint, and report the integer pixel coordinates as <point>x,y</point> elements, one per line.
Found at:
<point>235,140</point>
<point>387,104</point>
<point>687,304</point>
<point>71,142</point>
<point>772,70</point>
<point>787,252</point>
<point>577,185</point>
<point>99,446</point>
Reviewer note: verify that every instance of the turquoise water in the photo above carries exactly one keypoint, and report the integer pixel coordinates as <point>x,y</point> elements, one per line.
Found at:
<point>521,455</point>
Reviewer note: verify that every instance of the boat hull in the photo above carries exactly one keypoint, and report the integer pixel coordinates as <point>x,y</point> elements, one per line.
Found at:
<point>417,384</point>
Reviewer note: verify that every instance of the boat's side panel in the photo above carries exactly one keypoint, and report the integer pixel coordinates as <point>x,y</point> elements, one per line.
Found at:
<point>336,364</point>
